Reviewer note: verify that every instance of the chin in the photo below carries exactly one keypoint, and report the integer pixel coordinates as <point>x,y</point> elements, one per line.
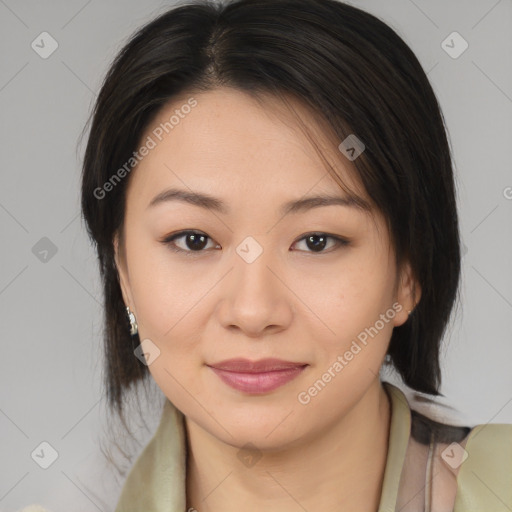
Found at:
<point>271,429</point>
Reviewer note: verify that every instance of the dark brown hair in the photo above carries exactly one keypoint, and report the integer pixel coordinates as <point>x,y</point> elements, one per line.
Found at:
<point>341,62</point>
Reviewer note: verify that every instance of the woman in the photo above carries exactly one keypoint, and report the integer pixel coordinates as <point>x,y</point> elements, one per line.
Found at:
<point>270,191</point>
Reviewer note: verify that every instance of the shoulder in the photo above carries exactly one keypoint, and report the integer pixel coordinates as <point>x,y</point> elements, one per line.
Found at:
<point>456,468</point>
<point>473,473</point>
<point>485,474</point>
<point>475,462</point>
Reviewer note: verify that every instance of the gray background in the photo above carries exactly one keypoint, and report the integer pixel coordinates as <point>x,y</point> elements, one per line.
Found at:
<point>51,310</point>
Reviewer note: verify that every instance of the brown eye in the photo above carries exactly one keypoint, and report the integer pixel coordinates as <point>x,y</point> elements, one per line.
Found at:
<point>316,242</point>
<point>192,241</point>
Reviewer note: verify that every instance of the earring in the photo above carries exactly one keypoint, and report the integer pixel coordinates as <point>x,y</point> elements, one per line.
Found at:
<point>134,329</point>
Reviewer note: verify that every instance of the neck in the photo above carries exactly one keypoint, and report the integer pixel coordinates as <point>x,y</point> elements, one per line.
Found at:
<point>342,468</point>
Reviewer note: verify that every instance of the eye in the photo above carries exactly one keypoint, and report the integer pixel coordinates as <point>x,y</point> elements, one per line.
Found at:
<point>195,242</point>
<point>318,241</point>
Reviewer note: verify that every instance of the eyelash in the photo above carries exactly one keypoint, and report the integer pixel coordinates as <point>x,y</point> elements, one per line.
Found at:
<point>168,241</point>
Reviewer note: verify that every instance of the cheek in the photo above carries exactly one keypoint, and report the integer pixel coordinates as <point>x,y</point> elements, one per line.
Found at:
<point>355,303</point>
<point>352,294</point>
<point>166,302</point>
<point>163,291</point>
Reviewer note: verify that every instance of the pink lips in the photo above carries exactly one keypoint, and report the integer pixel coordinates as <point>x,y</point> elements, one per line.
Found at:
<point>257,376</point>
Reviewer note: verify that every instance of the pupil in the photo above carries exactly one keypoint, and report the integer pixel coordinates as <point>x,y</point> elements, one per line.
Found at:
<point>321,245</point>
<point>196,238</point>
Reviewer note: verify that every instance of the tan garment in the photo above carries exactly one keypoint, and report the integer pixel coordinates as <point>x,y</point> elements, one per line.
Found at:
<point>418,477</point>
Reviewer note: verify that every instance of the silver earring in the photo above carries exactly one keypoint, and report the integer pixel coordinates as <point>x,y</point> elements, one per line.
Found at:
<point>134,329</point>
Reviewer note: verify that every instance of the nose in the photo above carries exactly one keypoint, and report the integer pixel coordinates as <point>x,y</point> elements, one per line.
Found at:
<point>254,297</point>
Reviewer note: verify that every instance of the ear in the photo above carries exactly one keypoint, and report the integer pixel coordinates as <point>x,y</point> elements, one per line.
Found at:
<point>122,270</point>
<point>408,294</point>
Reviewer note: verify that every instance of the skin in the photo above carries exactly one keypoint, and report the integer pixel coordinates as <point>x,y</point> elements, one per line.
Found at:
<point>290,303</point>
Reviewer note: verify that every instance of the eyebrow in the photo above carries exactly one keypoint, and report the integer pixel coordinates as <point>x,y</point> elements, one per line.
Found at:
<point>294,206</point>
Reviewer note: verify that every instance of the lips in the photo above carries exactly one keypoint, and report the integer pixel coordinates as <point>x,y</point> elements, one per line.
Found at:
<point>241,365</point>
<point>257,377</point>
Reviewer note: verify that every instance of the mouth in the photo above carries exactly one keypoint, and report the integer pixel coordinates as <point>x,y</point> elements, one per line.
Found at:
<point>257,377</point>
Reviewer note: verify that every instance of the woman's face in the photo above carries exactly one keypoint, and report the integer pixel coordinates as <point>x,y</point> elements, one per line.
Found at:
<point>255,286</point>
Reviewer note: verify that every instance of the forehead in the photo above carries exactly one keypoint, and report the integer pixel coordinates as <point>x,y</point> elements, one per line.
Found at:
<point>230,142</point>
